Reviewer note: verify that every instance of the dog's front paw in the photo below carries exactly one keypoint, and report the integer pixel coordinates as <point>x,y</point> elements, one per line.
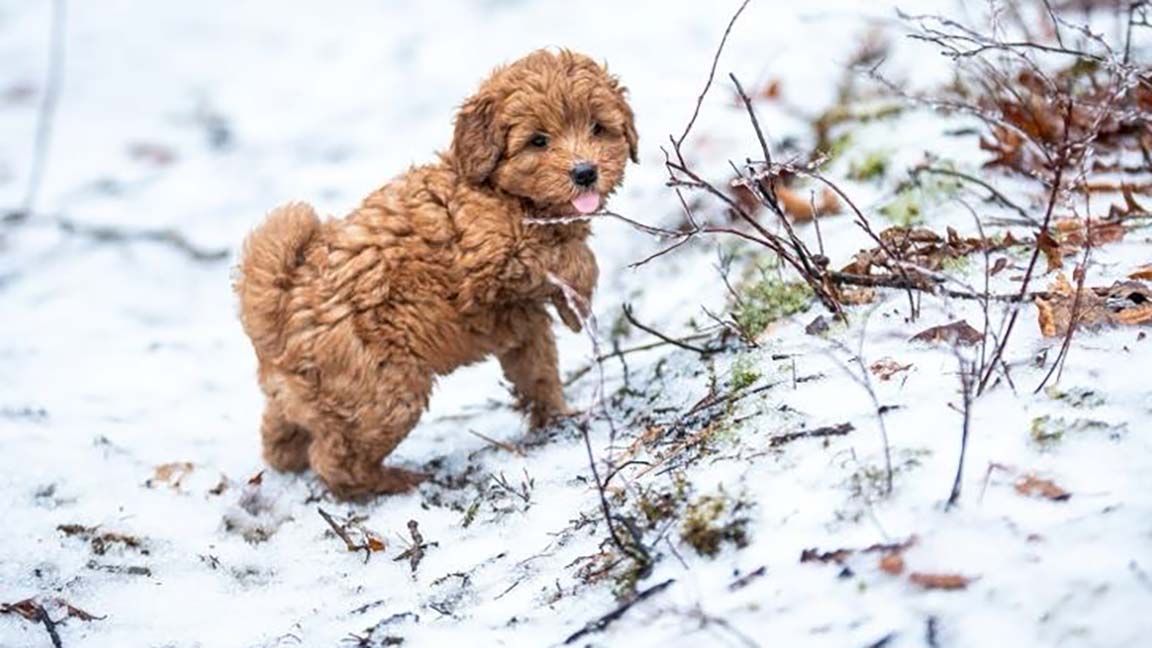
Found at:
<point>540,418</point>
<point>398,480</point>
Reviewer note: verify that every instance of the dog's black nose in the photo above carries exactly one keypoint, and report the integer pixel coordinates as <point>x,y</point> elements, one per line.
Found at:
<point>584,174</point>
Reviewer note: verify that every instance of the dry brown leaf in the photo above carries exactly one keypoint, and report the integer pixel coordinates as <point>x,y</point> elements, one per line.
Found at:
<point>1131,206</point>
<point>958,332</point>
<point>256,479</point>
<point>28,608</point>
<point>892,563</point>
<point>170,474</point>
<point>999,265</point>
<point>1143,272</point>
<point>1071,233</point>
<point>771,89</point>
<point>885,368</point>
<point>746,198</point>
<point>31,609</point>
<point>857,296</point>
<point>1030,485</point>
<point>1127,302</point>
<point>1138,315</point>
<point>798,204</point>
<point>939,581</point>
<point>1050,247</point>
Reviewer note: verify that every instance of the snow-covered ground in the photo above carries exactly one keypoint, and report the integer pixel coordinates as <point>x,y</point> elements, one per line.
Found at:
<point>121,361</point>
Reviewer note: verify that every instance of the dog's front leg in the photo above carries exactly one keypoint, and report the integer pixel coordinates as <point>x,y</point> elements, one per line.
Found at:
<point>574,272</point>
<point>531,366</point>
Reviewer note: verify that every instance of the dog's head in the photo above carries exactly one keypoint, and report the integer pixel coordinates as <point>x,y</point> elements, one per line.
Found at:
<point>553,128</point>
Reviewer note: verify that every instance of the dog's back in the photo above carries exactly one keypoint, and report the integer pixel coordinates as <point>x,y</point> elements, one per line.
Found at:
<point>271,255</point>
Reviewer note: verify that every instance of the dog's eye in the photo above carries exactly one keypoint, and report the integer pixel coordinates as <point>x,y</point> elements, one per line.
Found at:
<point>539,140</point>
<point>597,128</point>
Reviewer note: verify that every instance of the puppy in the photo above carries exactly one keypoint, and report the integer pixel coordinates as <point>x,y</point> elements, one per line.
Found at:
<point>353,319</point>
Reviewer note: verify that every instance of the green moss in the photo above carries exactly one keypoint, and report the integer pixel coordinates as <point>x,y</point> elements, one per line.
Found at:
<point>709,524</point>
<point>744,373</point>
<point>1045,433</point>
<point>768,300</point>
<point>955,264</point>
<point>872,166</point>
<point>838,146</point>
<point>913,197</point>
<point>1048,431</point>
<point>904,209</point>
<point>657,506</point>
<point>1078,397</point>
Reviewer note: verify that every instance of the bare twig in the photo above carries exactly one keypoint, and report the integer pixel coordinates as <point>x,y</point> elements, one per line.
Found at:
<point>166,236</point>
<point>711,74</point>
<point>598,625</point>
<point>47,114</point>
<point>666,339</point>
<point>967,377</point>
<point>817,433</point>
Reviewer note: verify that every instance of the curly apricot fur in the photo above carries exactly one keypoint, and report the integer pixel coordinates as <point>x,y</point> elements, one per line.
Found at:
<point>353,319</point>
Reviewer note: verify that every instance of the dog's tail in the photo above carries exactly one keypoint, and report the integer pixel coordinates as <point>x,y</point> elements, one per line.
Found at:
<point>272,253</point>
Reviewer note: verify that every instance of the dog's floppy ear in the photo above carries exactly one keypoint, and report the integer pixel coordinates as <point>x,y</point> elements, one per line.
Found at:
<point>630,133</point>
<point>629,120</point>
<point>477,143</point>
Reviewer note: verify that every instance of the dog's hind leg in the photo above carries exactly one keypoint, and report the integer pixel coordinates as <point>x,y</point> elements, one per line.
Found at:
<point>285,443</point>
<point>348,452</point>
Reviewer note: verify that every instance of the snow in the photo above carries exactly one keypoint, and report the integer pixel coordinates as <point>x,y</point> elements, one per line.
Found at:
<point>118,358</point>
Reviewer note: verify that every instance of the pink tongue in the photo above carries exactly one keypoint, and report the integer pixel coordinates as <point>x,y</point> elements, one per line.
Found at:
<point>587,202</point>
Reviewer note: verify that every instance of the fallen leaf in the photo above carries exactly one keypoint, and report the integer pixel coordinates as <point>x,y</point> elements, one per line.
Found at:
<point>1138,315</point>
<point>256,479</point>
<point>1031,485</point>
<point>170,474</point>
<point>857,296</point>
<point>1072,233</point>
<point>1143,272</point>
<point>1127,302</point>
<point>32,609</point>
<point>958,332</point>
<point>885,368</point>
<point>1131,206</point>
<point>101,541</point>
<point>892,563</point>
<point>799,205</point>
<point>999,265</point>
<point>771,89</point>
<point>939,581</point>
<point>28,608</point>
<point>1050,247</point>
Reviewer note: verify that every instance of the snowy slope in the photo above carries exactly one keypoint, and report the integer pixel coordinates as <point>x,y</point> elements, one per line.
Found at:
<point>119,358</point>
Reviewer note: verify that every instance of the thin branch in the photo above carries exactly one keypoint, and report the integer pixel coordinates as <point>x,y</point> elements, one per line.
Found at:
<point>628,314</point>
<point>47,114</point>
<point>598,625</point>
<point>711,74</point>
